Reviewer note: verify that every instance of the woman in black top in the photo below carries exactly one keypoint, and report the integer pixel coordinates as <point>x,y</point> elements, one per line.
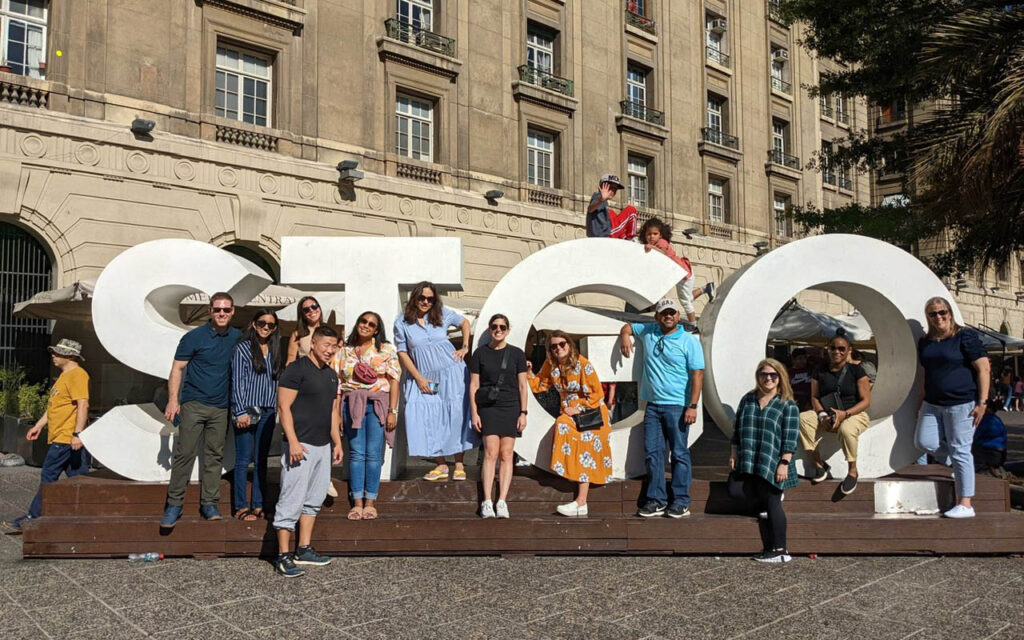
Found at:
<point>498,392</point>
<point>840,397</point>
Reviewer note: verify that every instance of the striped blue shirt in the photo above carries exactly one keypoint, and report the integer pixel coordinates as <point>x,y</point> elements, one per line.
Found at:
<point>249,389</point>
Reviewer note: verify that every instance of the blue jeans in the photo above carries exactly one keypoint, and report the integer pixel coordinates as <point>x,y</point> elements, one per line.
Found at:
<point>1009,397</point>
<point>665,422</point>
<point>252,445</point>
<point>60,458</point>
<point>365,453</point>
<point>949,432</point>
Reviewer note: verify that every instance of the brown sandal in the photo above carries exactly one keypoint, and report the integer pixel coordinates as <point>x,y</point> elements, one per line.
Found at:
<point>258,513</point>
<point>355,513</point>
<point>369,513</point>
<point>246,515</point>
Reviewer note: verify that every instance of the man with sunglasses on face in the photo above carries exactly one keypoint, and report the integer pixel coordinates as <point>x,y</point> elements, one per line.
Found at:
<point>201,374</point>
<point>671,383</point>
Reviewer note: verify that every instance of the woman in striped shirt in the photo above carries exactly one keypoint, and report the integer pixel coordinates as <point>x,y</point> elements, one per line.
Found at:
<point>255,366</point>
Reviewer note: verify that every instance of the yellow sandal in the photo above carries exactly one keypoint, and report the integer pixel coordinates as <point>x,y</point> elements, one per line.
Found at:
<point>460,474</point>
<point>436,475</point>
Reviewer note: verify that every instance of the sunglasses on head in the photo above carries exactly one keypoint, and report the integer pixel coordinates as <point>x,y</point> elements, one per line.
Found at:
<point>768,375</point>
<point>558,345</point>
<point>368,322</point>
<point>263,324</point>
<point>941,313</point>
<point>310,308</point>
<point>499,327</point>
<point>221,309</point>
<point>428,299</point>
<point>837,348</point>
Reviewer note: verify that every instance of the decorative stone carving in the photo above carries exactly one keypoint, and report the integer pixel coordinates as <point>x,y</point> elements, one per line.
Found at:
<point>375,201</point>
<point>184,170</point>
<point>306,190</point>
<point>33,146</point>
<point>228,177</point>
<point>87,154</point>
<point>137,162</point>
<point>268,183</point>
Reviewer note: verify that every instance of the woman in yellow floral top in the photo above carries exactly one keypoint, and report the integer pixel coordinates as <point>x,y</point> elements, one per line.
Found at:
<point>582,456</point>
<point>368,372</point>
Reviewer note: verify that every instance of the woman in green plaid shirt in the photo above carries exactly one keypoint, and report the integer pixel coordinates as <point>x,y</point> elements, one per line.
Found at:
<point>764,438</point>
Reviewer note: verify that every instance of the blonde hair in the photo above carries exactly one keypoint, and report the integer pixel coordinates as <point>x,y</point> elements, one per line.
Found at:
<point>785,388</point>
<point>940,300</point>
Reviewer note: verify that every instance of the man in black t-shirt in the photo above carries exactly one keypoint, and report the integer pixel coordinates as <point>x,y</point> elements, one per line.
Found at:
<point>307,399</point>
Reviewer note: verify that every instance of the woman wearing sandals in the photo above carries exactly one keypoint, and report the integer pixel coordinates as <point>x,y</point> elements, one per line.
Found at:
<point>437,414</point>
<point>764,438</point>
<point>309,317</point>
<point>255,365</point>
<point>579,452</point>
<point>498,391</point>
<point>368,372</point>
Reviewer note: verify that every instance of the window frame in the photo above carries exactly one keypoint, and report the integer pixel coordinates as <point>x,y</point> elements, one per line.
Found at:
<point>242,51</point>
<point>29,23</point>
<point>713,99</point>
<point>638,170</point>
<point>533,153</point>
<point>535,31</point>
<point>412,5</point>
<point>780,135</point>
<point>640,86</point>
<point>431,123</point>
<point>720,195</point>
<point>782,227</point>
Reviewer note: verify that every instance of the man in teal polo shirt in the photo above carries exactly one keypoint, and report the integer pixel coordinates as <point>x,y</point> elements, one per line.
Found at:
<point>201,373</point>
<point>671,382</point>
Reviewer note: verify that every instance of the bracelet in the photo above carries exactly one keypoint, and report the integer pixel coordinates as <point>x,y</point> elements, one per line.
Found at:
<point>75,434</point>
<point>784,461</point>
<point>523,412</point>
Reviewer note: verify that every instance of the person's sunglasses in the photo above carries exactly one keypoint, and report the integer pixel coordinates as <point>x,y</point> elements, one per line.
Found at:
<point>263,324</point>
<point>499,327</point>
<point>667,312</point>
<point>370,323</point>
<point>768,375</point>
<point>941,313</point>
<point>310,308</point>
<point>558,345</point>
<point>222,309</point>
<point>837,349</point>
<point>427,299</point>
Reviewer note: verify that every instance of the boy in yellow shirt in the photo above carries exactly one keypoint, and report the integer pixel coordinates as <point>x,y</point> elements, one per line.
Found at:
<point>66,415</point>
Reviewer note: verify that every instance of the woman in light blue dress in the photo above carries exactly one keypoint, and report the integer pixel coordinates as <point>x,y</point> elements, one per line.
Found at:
<point>437,414</point>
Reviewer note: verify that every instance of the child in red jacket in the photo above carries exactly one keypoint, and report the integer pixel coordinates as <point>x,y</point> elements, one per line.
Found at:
<point>658,236</point>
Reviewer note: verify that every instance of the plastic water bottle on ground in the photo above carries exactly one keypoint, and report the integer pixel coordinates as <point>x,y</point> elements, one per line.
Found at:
<point>149,556</point>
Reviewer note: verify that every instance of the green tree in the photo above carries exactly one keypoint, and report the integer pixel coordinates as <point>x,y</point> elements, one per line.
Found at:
<point>962,161</point>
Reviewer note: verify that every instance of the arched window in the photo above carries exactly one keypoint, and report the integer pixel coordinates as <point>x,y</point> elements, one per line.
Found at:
<point>25,270</point>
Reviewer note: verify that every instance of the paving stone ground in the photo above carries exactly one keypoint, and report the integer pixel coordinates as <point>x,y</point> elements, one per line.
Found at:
<point>619,598</point>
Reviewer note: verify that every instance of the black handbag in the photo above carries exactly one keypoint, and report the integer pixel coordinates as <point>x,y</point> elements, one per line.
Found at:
<point>589,420</point>
<point>491,397</point>
<point>834,400</point>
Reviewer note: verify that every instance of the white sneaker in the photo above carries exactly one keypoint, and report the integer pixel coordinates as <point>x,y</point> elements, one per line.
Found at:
<point>331,491</point>
<point>501,509</point>
<point>486,509</point>
<point>960,511</point>
<point>572,510</point>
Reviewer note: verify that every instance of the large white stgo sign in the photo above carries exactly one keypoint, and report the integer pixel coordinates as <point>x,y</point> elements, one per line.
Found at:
<point>135,312</point>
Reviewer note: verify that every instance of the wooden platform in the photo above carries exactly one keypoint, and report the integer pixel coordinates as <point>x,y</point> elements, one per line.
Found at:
<point>101,516</point>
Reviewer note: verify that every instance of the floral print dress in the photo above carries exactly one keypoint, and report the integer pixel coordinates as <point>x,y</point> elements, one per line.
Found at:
<point>580,456</point>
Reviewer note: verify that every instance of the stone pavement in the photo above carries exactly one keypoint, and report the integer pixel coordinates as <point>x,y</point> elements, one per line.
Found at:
<point>620,598</point>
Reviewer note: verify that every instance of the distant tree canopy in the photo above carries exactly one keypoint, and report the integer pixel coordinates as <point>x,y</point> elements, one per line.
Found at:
<point>962,161</point>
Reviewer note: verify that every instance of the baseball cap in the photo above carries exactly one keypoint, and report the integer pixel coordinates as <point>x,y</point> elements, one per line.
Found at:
<point>666,303</point>
<point>612,178</point>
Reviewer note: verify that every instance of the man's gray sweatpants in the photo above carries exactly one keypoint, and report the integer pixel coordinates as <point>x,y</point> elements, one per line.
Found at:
<point>303,486</point>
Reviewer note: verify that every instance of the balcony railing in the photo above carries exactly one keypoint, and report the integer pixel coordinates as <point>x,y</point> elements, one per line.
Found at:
<point>775,11</point>
<point>829,177</point>
<point>843,117</point>
<point>402,31</point>
<point>641,22</point>
<point>545,80</point>
<point>890,118</point>
<point>243,138</point>
<point>845,183</point>
<point>827,111</point>
<point>716,56</point>
<point>778,156</point>
<point>722,139</point>
<point>781,85</point>
<point>642,112</point>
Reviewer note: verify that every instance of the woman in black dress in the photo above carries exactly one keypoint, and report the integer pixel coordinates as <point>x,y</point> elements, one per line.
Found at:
<point>498,392</point>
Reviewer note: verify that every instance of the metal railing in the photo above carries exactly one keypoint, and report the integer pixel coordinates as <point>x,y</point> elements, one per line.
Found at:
<point>642,112</point>
<point>778,156</point>
<point>643,23</point>
<point>843,117</point>
<point>716,56</point>
<point>545,80</point>
<point>827,111</point>
<point>402,31</point>
<point>845,183</point>
<point>719,137</point>
<point>775,11</point>
<point>781,85</point>
<point>890,118</point>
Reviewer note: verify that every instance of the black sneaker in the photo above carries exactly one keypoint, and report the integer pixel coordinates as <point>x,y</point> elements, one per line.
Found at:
<point>849,485</point>
<point>773,557</point>
<point>651,509</point>
<point>820,474</point>
<point>709,291</point>
<point>308,555</point>
<point>285,565</point>
<point>677,511</point>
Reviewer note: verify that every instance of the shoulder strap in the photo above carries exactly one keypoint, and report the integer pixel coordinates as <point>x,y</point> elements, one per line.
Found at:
<point>504,365</point>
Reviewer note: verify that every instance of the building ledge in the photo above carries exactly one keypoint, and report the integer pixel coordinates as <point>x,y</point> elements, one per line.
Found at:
<point>720,68</point>
<point>275,12</point>
<point>414,56</point>
<point>532,93</point>
<point>642,127</point>
<point>782,171</point>
<point>710,148</point>
<point>781,94</point>
<point>640,33</point>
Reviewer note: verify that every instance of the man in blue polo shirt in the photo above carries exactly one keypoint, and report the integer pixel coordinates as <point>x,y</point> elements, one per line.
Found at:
<point>671,382</point>
<point>201,373</point>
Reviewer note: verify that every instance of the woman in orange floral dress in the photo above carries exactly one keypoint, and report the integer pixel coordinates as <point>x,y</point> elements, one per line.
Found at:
<point>581,456</point>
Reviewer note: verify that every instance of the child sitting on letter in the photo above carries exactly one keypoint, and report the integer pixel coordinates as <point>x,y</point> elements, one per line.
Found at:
<point>658,236</point>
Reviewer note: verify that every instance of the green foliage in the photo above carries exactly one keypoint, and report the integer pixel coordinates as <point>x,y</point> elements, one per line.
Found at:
<point>10,381</point>
<point>32,401</point>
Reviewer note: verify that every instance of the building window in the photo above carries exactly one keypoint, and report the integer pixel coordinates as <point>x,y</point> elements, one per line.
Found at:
<point>716,200</point>
<point>639,7</point>
<point>243,86</point>
<point>636,85</point>
<point>414,127</point>
<point>782,227</point>
<point>779,82</point>
<point>715,109</point>
<point>894,111</point>
<point>714,36</point>
<point>1003,272</point>
<point>840,106</point>
<point>540,158</point>
<point>779,137</point>
<point>418,13</point>
<point>23,38</point>
<point>638,181</point>
<point>540,49</point>
<point>828,172</point>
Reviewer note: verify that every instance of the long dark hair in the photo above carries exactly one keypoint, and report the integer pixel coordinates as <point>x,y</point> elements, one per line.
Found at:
<point>656,223</point>
<point>303,329</point>
<point>436,313</point>
<point>379,337</point>
<point>259,364</point>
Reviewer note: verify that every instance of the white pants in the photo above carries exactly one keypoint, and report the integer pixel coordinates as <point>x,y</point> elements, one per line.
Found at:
<point>684,291</point>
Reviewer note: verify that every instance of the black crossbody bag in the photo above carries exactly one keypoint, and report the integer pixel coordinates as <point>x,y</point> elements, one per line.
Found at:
<point>834,400</point>
<point>495,390</point>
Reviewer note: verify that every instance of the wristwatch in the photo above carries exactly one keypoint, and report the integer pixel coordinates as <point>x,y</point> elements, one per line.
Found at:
<point>394,411</point>
<point>692,406</point>
<point>523,412</point>
<point>75,434</point>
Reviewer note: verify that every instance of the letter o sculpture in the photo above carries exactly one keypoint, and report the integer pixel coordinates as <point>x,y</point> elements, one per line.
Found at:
<point>886,284</point>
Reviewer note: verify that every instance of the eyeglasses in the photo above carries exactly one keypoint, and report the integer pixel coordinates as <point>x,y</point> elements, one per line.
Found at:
<point>370,323</point>
<point>224,310</point>
<point>837,349</point>
<point>499,327</point>
<point>941,313</point>
<point>668,312</point>
<point>428,299</point>
<point>558,345</point>
<point>311,308</point>
<point>263,324</point>
<point>768,375</point>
